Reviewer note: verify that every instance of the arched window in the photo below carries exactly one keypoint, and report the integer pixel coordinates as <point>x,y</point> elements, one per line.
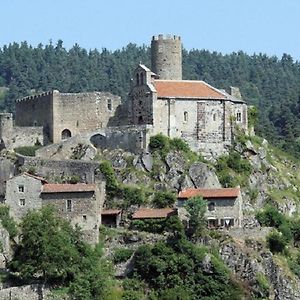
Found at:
<point>109,104</point>
<point>214,117</point>
<point>137,79</point>
<point>142,78</point>
<point>185,116</point>
<point>65,134</point>
<point>238,116</point>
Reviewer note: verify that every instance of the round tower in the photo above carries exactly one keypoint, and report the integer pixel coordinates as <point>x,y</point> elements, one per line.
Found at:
<point>166,57</point>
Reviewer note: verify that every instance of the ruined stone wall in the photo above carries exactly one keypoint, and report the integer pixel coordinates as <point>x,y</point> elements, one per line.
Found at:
<point>56,169</point>
<point>7,170</point>
<point>85,211</point>
<point>130,138</point>
<point>36,111</point>
<point>21,200</point>
<point>82,112</point>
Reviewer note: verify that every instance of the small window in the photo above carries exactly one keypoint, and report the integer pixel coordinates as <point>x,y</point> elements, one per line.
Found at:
<point>22,202</point>
<point>69,205</point>
<point>211,206</point>
<point>21,188</point>
<point>238,116</point>
<point>185,116</point>
<point>142,78</point>
<point>214,117</point>
<point>109,104</point>
<point>84,218</point>
<point>137,79</point>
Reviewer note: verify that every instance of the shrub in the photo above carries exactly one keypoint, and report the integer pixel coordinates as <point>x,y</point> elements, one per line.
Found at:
<point>164,199</point>
<point>159,142</point>
<point>276,242</point>
<point>27,150</point>
<point>8,222</point>
<point>179,144</point>
<point>74,179</point>
<point>122,255</point>
<point>132,196</point>
<point>110,177</point>
<point>271,217</point>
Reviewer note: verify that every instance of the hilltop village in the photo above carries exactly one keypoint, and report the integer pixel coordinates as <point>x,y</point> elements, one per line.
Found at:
<point>159,102</point>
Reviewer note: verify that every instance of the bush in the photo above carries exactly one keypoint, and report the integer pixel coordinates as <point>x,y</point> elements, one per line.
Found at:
<point>8,222</point>
<point>27,150</point>
<point>132,196</point>
<point>270,217</point>
<point>111,180</point>
<point>276,242</point>
<point>179,144</point>
<point>159,142</point>
<point>122,255</point>
<point>164,199</point>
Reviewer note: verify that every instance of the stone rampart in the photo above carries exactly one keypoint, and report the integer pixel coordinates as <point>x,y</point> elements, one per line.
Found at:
<point>56,169</point>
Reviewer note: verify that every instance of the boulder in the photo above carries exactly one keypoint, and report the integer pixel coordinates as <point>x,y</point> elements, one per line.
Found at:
<point>203,176</point>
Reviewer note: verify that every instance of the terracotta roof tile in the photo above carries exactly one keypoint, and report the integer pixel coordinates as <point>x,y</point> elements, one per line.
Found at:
<point>107,212</point>
<point>68,188</point>
<point>187,89</point>
<point>210,193</point>
<point>153,213</point>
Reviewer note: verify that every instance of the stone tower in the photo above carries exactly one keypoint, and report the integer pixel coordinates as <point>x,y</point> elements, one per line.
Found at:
<point>166,57</point>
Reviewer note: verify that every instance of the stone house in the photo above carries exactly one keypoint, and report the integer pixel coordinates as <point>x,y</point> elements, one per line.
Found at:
<point>224,205</point>
<point>202,115</point>
<point>79,203</point>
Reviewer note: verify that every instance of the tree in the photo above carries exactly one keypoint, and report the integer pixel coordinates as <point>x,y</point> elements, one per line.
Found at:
<point>47,247</point>
<point>196,207</point>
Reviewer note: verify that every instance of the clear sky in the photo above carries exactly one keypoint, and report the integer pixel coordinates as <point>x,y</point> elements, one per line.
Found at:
<point>267,26</point>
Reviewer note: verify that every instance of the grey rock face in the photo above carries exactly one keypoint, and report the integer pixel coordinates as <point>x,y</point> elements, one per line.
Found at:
<point>175,161</point>
<point>147,161</point>
<point>203,176</point>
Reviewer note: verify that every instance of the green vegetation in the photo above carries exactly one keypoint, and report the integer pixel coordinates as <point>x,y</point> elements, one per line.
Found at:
<point>196,207</point>
<point>27,150</point>
<point>263,284</point>
<point>50,249</point>
<point>8,222</point>
<point>122,255</point>
<point>276,241</point>
<point>170,224</point>
<point>233,170</point>
<point>163,267</point>
<point>164,199</point>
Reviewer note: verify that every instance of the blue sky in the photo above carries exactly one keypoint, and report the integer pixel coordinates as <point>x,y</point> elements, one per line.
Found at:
<point>267,26</point>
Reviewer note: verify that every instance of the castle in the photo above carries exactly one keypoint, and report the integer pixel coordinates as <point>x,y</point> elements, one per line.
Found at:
<point>203,116</point>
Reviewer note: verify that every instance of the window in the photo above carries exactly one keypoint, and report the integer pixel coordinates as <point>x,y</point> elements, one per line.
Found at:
<point>137,79</point>
<point>211,206</point>
<point>84,218</point>
<point>238,116</point>
<point>22,202</point>
<point>214,117</point>
<point>142,78</point>
<point>109,104</point>
<point>21,188</point>
<point>185,116</point>
<point>69,205</point>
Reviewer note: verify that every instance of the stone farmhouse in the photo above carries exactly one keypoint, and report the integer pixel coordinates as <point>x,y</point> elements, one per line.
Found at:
<point>159,99</point>
<point>224,207</point>
<point>79,203</point>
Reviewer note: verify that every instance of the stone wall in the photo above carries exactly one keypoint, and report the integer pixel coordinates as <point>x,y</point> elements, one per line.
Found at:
<point>36,111</point>
<point>82,112</point>
<point>22,195</point>
<point>7,170</point>
<point>85,211</point>
<point>55,169</point>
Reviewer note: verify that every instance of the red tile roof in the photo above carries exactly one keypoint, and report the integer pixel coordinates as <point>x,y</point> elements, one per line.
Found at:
<point>68,188</point>
<point>107,212</point>
<point>186,89</point>
<point>43,180</point>
<point>210,193</point>
<point>153,213</point>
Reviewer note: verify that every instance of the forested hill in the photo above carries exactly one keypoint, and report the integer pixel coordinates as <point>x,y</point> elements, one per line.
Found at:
<point>271,84</point>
